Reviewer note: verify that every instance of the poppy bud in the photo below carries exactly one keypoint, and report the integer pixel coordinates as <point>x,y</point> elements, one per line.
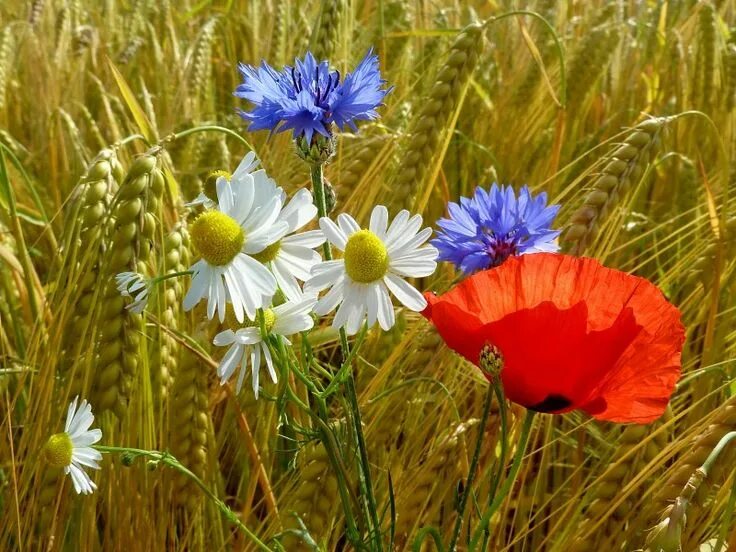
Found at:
<point>491,361</point>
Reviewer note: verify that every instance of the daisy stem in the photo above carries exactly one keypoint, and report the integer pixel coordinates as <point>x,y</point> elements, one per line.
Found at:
<point>318,186</point>
<point>327,438</point>
<point>508,482</point>
<point>468,488</point>
<point>172,462</point>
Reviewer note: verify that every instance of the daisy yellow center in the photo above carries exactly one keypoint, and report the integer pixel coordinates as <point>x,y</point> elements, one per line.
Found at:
<point>366,257</point>
<point>210,183</point>
<point>268,320</point>
<point>217,237</point>
<point>58,450</point>
<point>268,254</point>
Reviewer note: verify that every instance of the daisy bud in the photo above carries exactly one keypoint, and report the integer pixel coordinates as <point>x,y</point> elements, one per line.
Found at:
<point>209,189</point>
<point>491,361</point>
<point>127,458</point>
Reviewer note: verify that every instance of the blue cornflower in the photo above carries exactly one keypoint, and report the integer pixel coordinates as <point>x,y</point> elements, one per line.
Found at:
<point>484,231</point>
<point>309,97</point>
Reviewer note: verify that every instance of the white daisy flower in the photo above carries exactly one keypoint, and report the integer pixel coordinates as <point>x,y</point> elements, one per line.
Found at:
<point>375,261</point>
<point>208,196</point>
<point>71,449</point>
<point>247,345</point>
<point>132,284</point>
<point>244,224</point>
<point>291,258</point>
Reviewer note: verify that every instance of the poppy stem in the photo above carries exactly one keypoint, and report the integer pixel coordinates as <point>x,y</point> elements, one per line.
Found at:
<point>366,484</point>
<point>509,482</point>
<point>468,489</point>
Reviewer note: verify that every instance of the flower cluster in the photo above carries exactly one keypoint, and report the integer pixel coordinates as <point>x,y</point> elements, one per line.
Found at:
<point>606,343</point>
<point>483,231</point>
<point>258,261</point>
<point>308,97</point>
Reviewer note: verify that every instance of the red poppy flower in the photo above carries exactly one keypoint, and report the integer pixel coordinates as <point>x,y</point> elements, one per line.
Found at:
<point>573,335</point>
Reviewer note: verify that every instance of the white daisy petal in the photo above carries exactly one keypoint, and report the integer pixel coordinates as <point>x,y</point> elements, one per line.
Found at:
<point>310,239</point>
<point>286,281</point>
<point>412,244</point>
<point>230,362</point>
<point>405,293</point>
<point>225,197</point>
<point>226,337</point>
<point>379,221</point>
<point>347,224</point>
<point>269,362</point>
<point>243,370</point>
<point>386,316</point>
<point>255,361</point>
<point>331,299</point>
<point>333,233</point>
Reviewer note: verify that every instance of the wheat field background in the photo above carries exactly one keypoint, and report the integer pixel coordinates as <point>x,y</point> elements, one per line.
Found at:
<point>622,111</point>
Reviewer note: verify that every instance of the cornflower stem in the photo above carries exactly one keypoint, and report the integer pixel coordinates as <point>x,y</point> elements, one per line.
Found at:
<point>318,185</point>
<point>169,460</point>
<point>508,482</point>
<point>468,487</point>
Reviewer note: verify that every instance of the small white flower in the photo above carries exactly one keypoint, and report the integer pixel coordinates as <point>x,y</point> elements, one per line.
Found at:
<point>71,449</point>
<point>132,284</point>
<point>291,258</point>
<point>207,198</point>
<point>247,345</point>
<point>375,261</point>
<point>244,224</point>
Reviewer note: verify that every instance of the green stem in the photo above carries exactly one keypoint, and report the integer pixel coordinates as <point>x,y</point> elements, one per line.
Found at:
<point>422,534</point>
<point>468,489</point>
<point>498,389</point>
<point>169,460</point>
<point>318,186</point>
<point>208,128</point>
<point>329,443</point>
<point>509,482</point>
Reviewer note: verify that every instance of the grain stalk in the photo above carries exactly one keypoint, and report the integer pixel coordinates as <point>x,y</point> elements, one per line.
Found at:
<point>622,168</point>
<point>135,213</point>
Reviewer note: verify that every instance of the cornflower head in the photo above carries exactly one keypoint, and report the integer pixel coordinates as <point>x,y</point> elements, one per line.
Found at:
<point>308,97</point>
<point>483,231</point>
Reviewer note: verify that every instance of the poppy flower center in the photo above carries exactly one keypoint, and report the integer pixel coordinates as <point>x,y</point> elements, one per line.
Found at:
<point>268,254</point>
<point>210,183</point>
<point>217,237</point>
<point>58,450</point>
<point>366,257</point>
